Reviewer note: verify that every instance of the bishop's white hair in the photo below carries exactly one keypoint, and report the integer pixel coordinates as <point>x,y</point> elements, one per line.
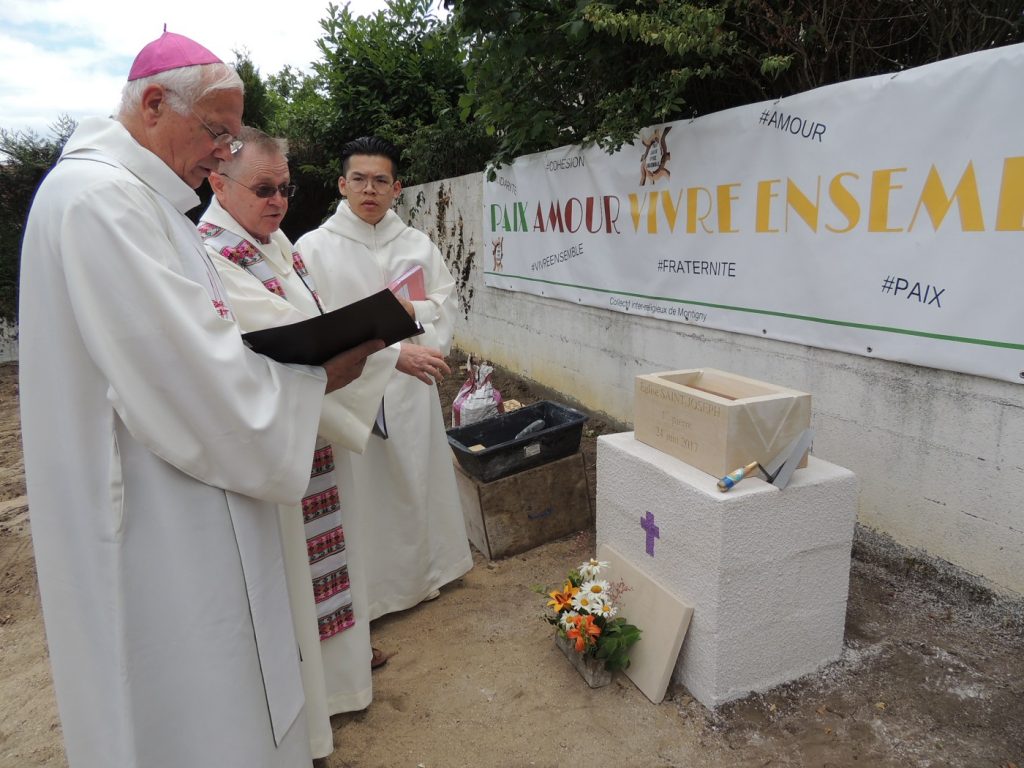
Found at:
<point>187,85</point>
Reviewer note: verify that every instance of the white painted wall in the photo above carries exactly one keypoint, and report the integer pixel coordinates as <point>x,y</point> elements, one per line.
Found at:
<point>940,455</point>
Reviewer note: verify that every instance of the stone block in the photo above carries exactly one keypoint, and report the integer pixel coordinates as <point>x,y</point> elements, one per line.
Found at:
<point>766,571</point>
<point>717,421</point>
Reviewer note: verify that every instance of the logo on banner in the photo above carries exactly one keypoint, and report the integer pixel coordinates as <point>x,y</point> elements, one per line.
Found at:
<point>654,160</point>
<point>497,253</point>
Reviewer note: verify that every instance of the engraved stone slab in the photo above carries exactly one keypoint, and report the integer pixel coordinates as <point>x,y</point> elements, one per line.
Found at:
<point>662,617</point>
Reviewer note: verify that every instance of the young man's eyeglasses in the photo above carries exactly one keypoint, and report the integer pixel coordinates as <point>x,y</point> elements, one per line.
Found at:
<point>222,139</point>
<point>266,191</point>
<point>359,182</point>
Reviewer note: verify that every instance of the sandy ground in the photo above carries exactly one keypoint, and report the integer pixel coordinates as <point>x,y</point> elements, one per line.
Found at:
<point>932,673</point>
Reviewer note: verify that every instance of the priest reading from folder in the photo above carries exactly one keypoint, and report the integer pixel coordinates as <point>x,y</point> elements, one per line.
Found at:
<point>267,286</point>
<point>157,446</point>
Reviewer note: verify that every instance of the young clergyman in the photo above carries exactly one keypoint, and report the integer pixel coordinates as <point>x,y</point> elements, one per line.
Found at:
<point>417,533</point>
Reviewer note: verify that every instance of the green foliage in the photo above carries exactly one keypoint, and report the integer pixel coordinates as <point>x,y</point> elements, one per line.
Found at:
<point>25,158</point>
<point>618,638</point>
<point>824,43</point>
<point>389,74</point>
<point>446,149</point>
<point>305,118</point>
<point>260,102</point>
<point>544,73</point>
<point>397,74</point>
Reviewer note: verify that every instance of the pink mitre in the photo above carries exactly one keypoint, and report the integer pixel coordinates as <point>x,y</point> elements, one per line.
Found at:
<point>170,51</point>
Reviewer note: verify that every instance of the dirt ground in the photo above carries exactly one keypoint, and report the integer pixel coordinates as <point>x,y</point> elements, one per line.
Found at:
<point>932,672</point>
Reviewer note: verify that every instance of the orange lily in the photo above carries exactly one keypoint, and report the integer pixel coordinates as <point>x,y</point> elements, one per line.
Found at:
<point>562,600</point>
<point>584,631</point>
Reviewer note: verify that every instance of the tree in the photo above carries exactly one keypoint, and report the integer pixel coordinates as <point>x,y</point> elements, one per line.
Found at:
<point>543,73</point>
<point>260,102</point>
<point>388,74</point>
<point>825,43</point>
<point>397,74</point>
<point>25,158</point>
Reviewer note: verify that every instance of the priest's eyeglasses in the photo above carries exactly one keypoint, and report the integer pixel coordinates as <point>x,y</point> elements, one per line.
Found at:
<point>266,191</point>
<point>359,182</point>
<point>222,139</point>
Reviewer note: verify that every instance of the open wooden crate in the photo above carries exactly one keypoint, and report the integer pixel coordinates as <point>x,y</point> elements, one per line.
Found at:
<point>717,421</point>
<point>524,510</point>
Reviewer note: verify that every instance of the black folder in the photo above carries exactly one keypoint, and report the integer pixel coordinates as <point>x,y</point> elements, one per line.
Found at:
<point>318,339</point>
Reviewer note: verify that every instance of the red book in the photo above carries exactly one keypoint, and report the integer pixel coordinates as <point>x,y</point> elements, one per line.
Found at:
<point>409,285</point>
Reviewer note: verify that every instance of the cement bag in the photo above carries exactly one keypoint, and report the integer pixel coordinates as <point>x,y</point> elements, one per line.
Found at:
<point>478,398</point>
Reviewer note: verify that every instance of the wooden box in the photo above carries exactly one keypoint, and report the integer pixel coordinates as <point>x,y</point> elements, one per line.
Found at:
<point>519,512</point>
<point>717,421</point>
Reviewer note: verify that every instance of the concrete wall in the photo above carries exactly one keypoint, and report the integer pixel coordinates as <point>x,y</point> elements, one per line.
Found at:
<point>939,455</point>
<point>8,342</point>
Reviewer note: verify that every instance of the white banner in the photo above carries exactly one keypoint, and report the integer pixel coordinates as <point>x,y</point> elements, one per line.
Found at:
<point>882,217</point>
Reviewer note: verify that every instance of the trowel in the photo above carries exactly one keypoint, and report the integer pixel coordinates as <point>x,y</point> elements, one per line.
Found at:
<point>779,470</point>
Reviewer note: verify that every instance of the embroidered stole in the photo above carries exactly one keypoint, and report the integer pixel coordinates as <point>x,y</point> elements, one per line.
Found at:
<point>321,504</point>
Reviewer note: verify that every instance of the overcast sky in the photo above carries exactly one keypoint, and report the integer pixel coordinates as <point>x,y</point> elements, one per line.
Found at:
<point>72,56</point>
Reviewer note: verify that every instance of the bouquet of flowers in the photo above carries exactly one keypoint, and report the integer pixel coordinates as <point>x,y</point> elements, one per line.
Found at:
<point>585,614</point>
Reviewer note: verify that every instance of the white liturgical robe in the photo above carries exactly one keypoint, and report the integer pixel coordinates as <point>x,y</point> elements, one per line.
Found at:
<point>157,448</point>
<point>416,533</point>
<point>335,671</point>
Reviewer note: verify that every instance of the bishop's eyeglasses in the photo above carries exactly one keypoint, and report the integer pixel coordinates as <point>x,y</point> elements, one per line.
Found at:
<point>222,139</point>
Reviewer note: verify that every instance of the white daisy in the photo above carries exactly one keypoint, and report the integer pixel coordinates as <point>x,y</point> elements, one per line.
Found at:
<point>590,569</point>
<point>595,588</point>
<point>585,601</point>
<point>563,620</point>
<point>607,610</point>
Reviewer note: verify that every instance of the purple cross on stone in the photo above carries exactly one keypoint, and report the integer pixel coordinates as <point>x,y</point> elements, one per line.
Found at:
<point>647,523</point>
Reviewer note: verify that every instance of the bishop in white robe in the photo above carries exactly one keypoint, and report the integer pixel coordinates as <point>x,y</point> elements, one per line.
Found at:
<point>157,448</point>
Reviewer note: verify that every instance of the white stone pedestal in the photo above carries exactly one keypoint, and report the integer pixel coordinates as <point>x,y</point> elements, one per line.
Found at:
<point>766,571</point>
